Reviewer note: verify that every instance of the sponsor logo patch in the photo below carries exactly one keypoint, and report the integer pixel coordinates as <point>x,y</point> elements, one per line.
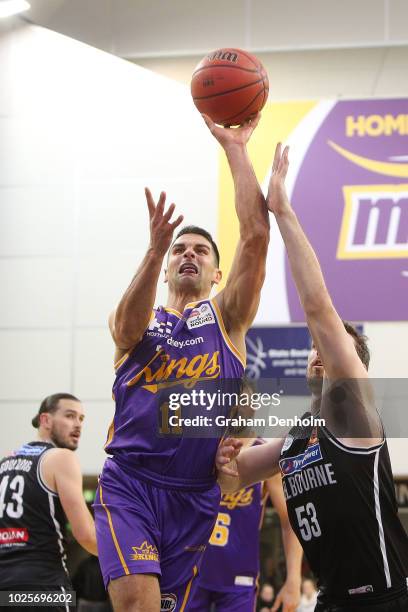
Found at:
<point>203,315</point>
<point>368,588</point>
<point>168,602</point>
<point>13,535</point>
<point>30,451</point>
<point>296,464</point>
<point>145,552</point>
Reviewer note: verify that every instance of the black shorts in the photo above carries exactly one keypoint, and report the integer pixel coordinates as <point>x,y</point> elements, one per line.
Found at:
<point>59,607</point>
<point>396,605</point>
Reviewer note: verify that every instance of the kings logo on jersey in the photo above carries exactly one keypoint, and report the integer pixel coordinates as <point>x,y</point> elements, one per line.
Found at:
<point>203,315</point>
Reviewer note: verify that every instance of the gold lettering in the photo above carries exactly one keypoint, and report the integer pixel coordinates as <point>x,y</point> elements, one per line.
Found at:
<point>374,125</point>
<point>353,125</point>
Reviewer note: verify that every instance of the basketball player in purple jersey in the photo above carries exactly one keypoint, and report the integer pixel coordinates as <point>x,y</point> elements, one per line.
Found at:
<point>230,567</point>
<point>337,477</point>
<point>157,500</point>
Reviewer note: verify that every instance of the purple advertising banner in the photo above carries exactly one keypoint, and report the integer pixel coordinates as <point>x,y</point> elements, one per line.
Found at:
<point>351,196</point>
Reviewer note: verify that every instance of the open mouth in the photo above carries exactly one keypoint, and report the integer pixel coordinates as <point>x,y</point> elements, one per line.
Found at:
<point>188,268</point>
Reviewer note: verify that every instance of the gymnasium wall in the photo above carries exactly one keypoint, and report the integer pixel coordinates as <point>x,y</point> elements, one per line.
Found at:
<point>81,133</point>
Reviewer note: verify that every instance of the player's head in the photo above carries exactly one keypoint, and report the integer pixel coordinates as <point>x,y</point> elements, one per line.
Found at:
<point>315,366</point>
<point>193,262</point>
<point>59,419</point>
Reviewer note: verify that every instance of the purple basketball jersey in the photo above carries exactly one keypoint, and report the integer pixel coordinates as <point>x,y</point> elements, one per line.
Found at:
<point>176,349</point>
<point>231,559</point>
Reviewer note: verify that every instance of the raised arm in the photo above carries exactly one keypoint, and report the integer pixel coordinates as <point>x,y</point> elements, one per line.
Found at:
<point>130,319</point>
<point>239,300</point>
<point>289,594</point>
<point>334,345</point>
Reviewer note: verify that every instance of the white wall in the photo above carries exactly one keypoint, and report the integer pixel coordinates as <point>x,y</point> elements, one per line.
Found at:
<point>81,133</point>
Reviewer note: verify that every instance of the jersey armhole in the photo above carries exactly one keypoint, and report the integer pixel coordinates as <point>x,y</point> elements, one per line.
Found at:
<point>224,333</point>
<point>357,450</point>
<point>40,477</point>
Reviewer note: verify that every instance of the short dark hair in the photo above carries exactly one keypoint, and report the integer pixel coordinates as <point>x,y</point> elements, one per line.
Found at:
<point>50,405</point>
<point>360,341</point>
<point>194,229</point>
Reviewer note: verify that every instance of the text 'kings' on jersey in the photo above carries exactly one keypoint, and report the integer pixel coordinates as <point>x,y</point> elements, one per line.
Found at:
<point>179,353</point>
<point>32,522</point>
<point>342,506</point>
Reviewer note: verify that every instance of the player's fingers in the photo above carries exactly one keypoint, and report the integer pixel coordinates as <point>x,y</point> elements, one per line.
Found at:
<point>160,203</point>
<point>277,604</point>
<point>169,212</point>
<point>277,157</point>
<point>228,471</point>
<point>150,202</point>
<point>255,120</point>
<point>177,222</point>
<point>208,121</point>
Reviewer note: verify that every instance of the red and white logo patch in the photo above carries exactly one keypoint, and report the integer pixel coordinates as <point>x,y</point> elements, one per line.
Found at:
<point>13,535</point>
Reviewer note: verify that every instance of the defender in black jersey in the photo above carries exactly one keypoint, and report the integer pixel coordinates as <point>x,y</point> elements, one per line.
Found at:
<point>337,477</point>
<point>40,483</point>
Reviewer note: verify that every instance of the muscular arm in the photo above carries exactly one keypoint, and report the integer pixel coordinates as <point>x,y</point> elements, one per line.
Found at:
<point>239,300</point>
<point>289,594</point>
<point>334,345</point>
<point>62,471</point>
<point>130,319</point>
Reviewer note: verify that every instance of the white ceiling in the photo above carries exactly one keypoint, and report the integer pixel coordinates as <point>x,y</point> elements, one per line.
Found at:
<point>164,28</point>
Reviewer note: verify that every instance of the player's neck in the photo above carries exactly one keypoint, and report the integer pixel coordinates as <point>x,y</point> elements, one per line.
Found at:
<point>315,404</point>
<point>178,301</point>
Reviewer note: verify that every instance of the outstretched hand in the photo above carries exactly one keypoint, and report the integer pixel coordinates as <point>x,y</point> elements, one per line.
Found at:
<point>161,229</point>
<point>277,199</point>
<point>227,136</point>
<point>227,452</point>
<point>287,599</point>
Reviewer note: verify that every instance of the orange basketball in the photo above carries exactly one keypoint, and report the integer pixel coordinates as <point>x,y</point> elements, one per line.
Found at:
<point>229,85</point>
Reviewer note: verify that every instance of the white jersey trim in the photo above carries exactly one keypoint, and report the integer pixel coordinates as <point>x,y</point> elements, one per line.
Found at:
<point>379,521</point>
<point>58,530</point>
<point>353,450</point>
<point>40,476</point>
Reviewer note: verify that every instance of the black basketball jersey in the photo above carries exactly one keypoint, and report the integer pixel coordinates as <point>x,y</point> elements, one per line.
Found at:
<point>342,506</point>
<point>32,522</point>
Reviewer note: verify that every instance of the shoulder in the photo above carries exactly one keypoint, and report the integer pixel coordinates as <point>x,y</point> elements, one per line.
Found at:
<point>60,459</point>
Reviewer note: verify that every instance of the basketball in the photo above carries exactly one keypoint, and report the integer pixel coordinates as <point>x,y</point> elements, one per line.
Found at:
<point>229,85</point>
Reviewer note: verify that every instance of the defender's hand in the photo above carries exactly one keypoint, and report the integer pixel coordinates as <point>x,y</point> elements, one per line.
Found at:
<point>277,199</point>
<point>161,230</point>
<point>228,137</point>
<point>227,452</point>
<point>288,597</point>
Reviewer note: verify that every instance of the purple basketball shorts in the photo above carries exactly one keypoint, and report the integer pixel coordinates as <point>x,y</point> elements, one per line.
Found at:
<point>242,599</point>
<point>145,529</point>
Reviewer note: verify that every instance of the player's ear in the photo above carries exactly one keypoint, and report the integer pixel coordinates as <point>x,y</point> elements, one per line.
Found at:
<point>217,277</point>
<point>166,278</point>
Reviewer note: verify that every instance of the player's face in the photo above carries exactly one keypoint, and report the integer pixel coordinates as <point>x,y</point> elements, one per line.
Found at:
<point>66,424</point>
<point>191,265</point>
<point>315,371</point>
